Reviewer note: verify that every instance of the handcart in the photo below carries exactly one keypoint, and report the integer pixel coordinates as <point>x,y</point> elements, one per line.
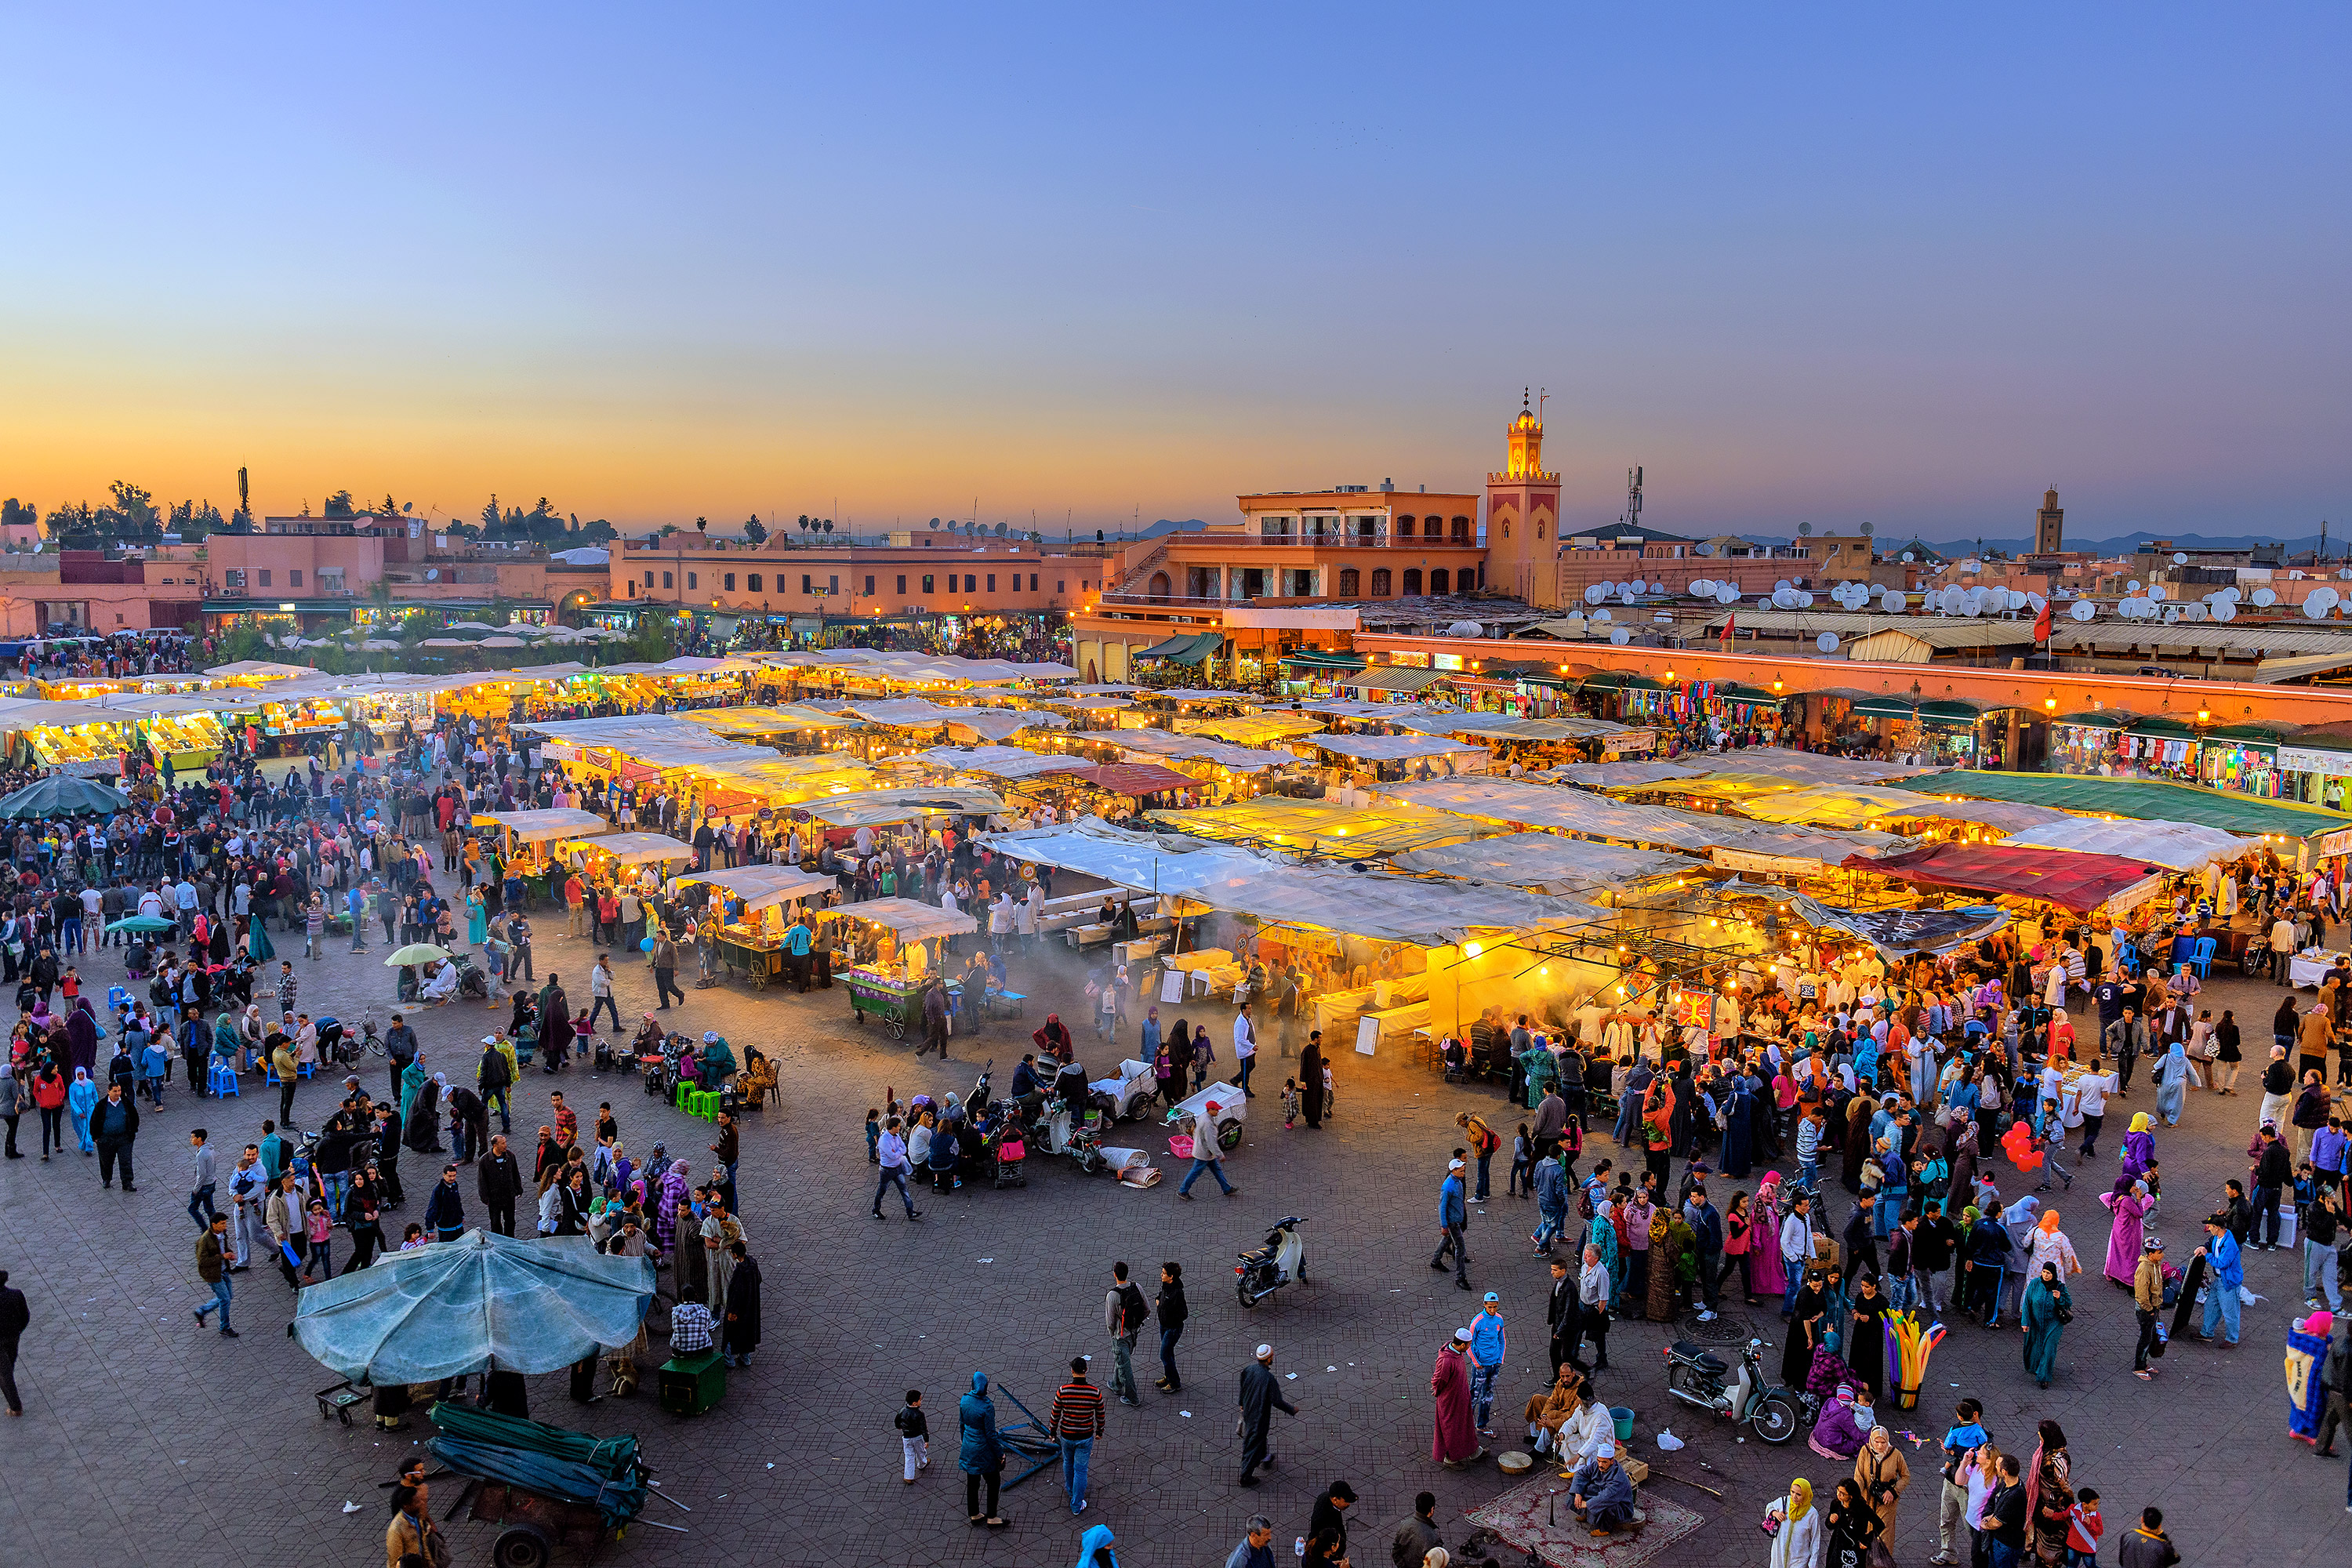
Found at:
<point>543,1486</point>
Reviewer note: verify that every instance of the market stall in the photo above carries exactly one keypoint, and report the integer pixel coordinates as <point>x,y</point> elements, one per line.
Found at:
<point>892,964</point>
<point>525,840</point>
<point>755,910</point>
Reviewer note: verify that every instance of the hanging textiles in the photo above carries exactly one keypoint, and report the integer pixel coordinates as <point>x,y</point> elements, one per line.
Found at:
<point>1895,933</point>
<point>2070,880</point>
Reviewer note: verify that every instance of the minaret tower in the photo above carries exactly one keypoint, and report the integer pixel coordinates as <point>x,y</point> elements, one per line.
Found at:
<point>1523,517</point>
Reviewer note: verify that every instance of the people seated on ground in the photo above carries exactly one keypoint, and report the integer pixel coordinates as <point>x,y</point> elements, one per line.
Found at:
<point>440,982</point>
<point>1844,1424</point>
<point>1601,1493</point>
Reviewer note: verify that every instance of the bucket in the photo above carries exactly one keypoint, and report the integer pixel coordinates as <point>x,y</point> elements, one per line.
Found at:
<point>1906,1398</point>
<point>1623,1416</point>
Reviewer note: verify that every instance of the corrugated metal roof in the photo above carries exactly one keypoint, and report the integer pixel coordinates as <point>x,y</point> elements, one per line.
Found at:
<point>2250,641</point>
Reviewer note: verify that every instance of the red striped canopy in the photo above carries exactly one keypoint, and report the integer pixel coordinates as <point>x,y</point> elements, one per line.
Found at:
<point>2063,877</point>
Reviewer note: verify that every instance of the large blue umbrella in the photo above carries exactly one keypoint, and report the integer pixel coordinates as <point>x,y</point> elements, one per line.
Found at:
<point>63,795</point>
<point>454,1308</point>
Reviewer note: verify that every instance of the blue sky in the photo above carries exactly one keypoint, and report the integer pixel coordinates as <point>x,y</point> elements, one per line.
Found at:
<point>1849,263</point>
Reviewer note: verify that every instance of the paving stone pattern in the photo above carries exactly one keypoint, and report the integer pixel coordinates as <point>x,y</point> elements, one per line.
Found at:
<point>150,1441</point>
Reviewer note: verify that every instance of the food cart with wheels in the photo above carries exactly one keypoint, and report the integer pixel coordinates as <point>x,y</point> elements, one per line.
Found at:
<point>890,939</point>
<point>756,904</point>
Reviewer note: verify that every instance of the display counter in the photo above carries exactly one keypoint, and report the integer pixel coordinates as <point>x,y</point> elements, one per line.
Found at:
<point>78,747</point>
<point>190,740</point>
<point>890,995</point>
<point>752,951</point>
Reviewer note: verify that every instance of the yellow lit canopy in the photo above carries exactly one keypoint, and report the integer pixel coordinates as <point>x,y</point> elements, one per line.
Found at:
<point>1323,828</point>
<point>1839,806</point>
<point>1252,730</point>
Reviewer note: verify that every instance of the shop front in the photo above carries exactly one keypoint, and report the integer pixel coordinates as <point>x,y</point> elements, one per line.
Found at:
<point>2244,758</point>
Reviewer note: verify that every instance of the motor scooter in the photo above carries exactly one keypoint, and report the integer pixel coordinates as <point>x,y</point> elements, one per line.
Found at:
<point>1265,1270</point>
<point>1696,1375</point>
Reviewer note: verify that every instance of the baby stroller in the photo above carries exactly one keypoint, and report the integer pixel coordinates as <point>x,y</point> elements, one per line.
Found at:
<point>604,1058</point>
<point>1006,1152</point>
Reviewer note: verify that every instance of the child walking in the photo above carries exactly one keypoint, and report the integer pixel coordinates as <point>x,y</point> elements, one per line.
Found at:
<point>1289,1103</point>
<point>321,1230</point>
<point>914,1434</point>
<point>1521,1182</point>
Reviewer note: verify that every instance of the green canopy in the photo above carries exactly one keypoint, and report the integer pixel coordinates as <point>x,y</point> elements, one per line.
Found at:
<point>2248,734</point>
<point>1314,658</point>
<point>1942,711</point>
<point>1189,648</point>
<point>2145,800</point>
<point>63,795</point>
<point>2112,718</point>
<point>1607,680</point>
<point>2163,727</point>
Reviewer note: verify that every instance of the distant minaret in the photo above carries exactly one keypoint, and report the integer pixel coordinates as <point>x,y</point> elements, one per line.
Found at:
<point>1523,517</point>
<point>2050,526</point>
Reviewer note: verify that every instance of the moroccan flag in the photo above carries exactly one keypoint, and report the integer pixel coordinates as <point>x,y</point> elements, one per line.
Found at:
<point>1730,625</point>
<point>2042,623</point>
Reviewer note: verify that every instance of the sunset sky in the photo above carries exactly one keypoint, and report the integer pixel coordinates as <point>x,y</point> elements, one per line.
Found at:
<point>1810,263</point>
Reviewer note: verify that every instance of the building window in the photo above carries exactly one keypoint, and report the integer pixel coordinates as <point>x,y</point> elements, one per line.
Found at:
<point>669,581</point>
<point>753,580</point>
<point>1412,582</point>
<point>927,583</point>
<point>902,583</point>
<point>1061,585</point>
<point>832,584</point>
<point>1439,580</point>
<point>331,579</point>
<point>694,579</point>
<point>1349,579</point>
<point>968,583</point>
<point>992,582</point>
<point>1460,531</point>
<point>870,583</point>
<point>265,576</point>
<point>294,577</point>
<point>649,579</point>
<point>1506,531</point>
<point>728,581</point>
<point>807,584</point>
<point>1033,582</point>
<point>1380,581</point>
<point>1540,528</point>
<point>1404,528</point>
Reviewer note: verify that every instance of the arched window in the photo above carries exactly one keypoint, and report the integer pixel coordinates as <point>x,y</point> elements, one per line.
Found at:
<point>1380,581</point>
<point>1439,582</point>
<point>1506,531</point>
<point>1412,583</point>
<point>1404,528</point>
<point>1159,588</point>
<point>1347,581</point>
<point>1460,531</point>
<point>1540,528</point>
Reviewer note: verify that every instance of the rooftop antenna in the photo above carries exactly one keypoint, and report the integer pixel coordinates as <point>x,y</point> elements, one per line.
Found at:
<point>1541,395</point>
<point>1633,495</point>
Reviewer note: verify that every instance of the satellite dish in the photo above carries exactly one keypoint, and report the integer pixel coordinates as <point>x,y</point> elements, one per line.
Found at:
<point>1600,614</point>
<point>2172,615</point>
<point>2225,611</point>
<point>1826,642</point>
<point>433,574</point>
<point>2017,601</point>
<point>2133,586</point>
<point>1784,583</point>
<point>2343,573</point>
<point>2231,593</point>
<point>2264,598</point>
<point>2158,592</point>
<point>1906,556</point>
<point>1893,601</point>
<point>2037,601</point>
<point>1701,586</point>
<point>2178,559</point>
<point>2328,597</point>
<point>1868,528</point>
<point>1463,629</point>
<point>1702,548</point>
<point>2195,612</point>
<point>1619,635</point>
<point>1596,592</point>
<point>2084,610</point>
<point>1728,594</point>
<point>1657,587</point>
<point>1804,530</point>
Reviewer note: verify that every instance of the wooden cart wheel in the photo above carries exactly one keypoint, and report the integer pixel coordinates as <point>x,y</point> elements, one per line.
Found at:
<point>522,1546</point>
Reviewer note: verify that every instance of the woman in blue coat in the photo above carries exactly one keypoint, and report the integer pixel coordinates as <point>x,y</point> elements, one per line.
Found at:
<point>82,1095</point>
<point>981,1455</point>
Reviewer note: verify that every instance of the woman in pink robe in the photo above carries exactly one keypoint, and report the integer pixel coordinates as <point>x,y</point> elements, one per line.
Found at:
<point>1457,1434</point>
<point>1766,1275</point>
<point>2130,1206</point>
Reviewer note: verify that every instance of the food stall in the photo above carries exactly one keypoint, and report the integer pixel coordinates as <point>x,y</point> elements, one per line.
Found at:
<point>757,901</point>
<point>72,735</point>
<point>889,936</point>
<point>528,839</point>
<point>189,740</point>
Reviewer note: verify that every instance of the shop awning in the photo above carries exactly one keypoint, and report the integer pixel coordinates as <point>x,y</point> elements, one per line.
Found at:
<point>632,849</point>
<point>759,886</point>
<point>2162,728</point>
<point>1836,805</point>
<point>1395,748</point>
<point>1395,677</point>
<point>1000,761</point>
<point>911,921</point>
<point>1134,779</point>
<point>1200,748</point>
<point>2105,719</point>
<point>1190,648</point>
<point>1311,659</point>
<point>2080,882</point>
<point>1253,729</point>
<point>1549,863</point>
<point>1942,711</point>
<point>2142,799</point>
<point>1323,827</point>
<point>874,808</point>
<point>1606,679</point>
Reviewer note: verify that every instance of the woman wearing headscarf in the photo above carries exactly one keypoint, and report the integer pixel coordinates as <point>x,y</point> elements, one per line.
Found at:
<point>1865,1340</point>
<point>81,1096</point>
<point>2021,1220</point>
<point>1853,1526</point>
<point>1798,1542</point>
<point>672,1201</point>
<point>412,1080</point>
<point>1767,1276</point>
<point>2047,1304</point>
<point>2129,1204</point>
<point>2049,1494</point>
<point>2049,1245</point>
<point>1310,1082</point>
<point>979,1454</point>
<point>1181,1081</point>
<point>227,1040</point>
<point>2171,1074</point>
<point>1738,1132</point>
<point>1882,1473</point>
<point>1857,1140</point>
<point>81,1036</point>
<point>422,1117</point>
<point>1962,1156</point>
<point>1602,1235</point>
<point>1094,1548</point>
<point>1803,1337</point>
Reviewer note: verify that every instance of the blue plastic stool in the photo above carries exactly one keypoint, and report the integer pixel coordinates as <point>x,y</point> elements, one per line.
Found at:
<point>223,1082</point>
<point>116,997</point>
<point>305,1069</point>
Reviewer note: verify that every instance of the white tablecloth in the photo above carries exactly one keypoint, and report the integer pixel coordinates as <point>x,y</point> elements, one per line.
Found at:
<point>2310,968</point>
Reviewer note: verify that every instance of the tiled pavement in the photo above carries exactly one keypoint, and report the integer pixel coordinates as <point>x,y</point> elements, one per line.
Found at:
<point>147,1440</point>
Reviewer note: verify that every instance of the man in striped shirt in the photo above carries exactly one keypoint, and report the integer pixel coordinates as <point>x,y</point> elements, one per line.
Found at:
<point>1076,1421</point>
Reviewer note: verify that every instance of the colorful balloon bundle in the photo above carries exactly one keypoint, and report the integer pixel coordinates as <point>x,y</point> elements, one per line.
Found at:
<point>1909,1343</point>
<point>2018,1144</point>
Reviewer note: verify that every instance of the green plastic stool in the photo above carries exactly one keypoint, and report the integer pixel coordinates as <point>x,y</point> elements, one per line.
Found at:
<point>705,1105</point>
<point>678,1095</point>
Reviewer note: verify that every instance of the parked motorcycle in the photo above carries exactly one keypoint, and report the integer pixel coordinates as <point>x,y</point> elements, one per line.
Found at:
<point>1265,1270</point>
<point>1696,1375</point>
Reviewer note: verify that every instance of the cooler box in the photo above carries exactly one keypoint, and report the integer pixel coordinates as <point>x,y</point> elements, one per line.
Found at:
<point>692,1384</point>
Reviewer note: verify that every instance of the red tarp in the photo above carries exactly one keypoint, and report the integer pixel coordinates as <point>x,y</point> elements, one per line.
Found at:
<point>1135,779</point>
<point>2076,881</point>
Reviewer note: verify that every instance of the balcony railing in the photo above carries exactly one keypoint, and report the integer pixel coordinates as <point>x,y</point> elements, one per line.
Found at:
<point>1328,540</point>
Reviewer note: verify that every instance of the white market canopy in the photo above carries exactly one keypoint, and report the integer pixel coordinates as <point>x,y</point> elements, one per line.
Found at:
<point>541,827</point>
<point>1525,803</point>
<point>1148,744</point>
<point>1000,761</point>
<point>879,808</point>
<point>1379,905</point>
<point>1393,748</point>
<point>2175,846</point>
<point>913,921</point>
<point>1546,863</point>
<point>759,886</point>
<point>996,723</point>
<point>634,848</point>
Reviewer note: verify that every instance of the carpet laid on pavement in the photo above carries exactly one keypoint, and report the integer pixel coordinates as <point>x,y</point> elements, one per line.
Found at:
<point>1522,1516</point>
